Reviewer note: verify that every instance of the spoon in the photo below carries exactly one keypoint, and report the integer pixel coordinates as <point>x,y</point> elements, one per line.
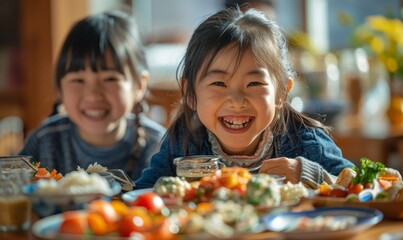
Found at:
<point>255,169</point>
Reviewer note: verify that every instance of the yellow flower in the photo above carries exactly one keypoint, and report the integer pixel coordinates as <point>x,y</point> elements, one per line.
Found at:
<point>376,45</point>
<point>391,65</point>
<point>378,23</point>
<point>384,38</point>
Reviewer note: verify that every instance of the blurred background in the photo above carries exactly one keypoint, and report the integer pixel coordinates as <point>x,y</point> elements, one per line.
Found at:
<point>348,53</point>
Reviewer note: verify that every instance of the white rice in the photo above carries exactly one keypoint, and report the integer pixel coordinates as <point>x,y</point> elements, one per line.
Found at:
<point>76,182</point>
<point>94,168</point>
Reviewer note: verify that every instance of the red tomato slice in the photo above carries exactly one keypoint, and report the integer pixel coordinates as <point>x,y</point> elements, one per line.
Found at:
<point>338,192</point>
<point>151,201</point>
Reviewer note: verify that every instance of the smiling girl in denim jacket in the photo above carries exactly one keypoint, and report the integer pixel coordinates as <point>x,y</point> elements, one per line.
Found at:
<point>235,80</point>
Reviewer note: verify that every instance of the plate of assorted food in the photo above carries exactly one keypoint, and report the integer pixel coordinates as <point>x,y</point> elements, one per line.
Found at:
<point>371,185</point>
<point>323,223</point>
<point>233,195</point>
<point>230,202</point>
<point>237,184</point>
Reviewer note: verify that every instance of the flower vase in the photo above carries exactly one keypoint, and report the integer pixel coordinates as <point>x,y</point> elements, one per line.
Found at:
<point>395,108</point>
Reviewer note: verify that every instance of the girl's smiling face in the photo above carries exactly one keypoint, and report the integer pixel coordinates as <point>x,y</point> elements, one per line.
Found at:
<point>236,101</point>
<point>98,102</point>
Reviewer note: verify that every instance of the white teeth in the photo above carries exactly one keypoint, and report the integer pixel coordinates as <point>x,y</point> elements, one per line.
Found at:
<point>235,123</point>
<point>93,113</point>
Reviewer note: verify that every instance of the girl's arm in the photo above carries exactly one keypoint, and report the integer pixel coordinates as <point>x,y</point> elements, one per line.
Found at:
<point>161,165</point>
<point>298,169</point>
<point>310,156</point>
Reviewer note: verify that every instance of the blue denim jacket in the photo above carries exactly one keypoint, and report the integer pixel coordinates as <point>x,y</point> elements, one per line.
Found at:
<point>312,146</point>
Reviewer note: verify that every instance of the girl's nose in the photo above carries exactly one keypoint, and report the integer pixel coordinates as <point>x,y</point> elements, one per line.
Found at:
<point>238,99</point>
<point>95,91</point>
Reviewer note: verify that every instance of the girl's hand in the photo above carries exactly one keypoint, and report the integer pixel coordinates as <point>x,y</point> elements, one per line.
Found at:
<point>289,167</point>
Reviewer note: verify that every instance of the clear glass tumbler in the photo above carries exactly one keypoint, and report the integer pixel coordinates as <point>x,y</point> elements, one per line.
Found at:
<point>193,168</point>
<point>15,213</point>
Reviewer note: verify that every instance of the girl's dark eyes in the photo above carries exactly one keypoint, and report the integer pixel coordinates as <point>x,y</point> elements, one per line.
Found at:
<point>251,84</point>
<point>222,84</point>
<point>254,84</point>
<point>77,80</point>
<point>111,79</point>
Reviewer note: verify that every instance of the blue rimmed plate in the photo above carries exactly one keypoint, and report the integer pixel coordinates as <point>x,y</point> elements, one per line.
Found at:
<point>283,222</point>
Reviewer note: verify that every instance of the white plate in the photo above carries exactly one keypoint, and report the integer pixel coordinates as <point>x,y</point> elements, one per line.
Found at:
<point>46,228</point>
<point>366,218</point>
<point>129,197</point>
<point>395,235</point>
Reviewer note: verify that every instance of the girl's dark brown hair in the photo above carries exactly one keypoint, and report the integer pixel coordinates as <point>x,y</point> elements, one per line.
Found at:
<point>233,28</point>
<point>87,43</point>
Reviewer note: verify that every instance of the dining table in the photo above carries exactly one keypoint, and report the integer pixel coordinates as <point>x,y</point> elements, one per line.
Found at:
<point>374,232</point>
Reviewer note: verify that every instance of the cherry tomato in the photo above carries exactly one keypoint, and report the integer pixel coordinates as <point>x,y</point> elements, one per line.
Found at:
<point>136,221</point>
<point>74,222</point>
<point>356,188</point>
<point>105,209</point>
<point>338,192</point>
<point>151,201</point>
<point>192,193</point>
<point>160,229</point>
<point>368,185</point>
<point>207,186</point>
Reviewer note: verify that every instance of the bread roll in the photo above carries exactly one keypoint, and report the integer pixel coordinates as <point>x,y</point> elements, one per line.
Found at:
<point>395,192</point>
<point>345,177</point>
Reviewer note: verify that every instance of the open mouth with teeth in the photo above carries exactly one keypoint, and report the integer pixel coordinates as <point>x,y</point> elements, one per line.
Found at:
<point>95,113</point>
<point>236,123</point>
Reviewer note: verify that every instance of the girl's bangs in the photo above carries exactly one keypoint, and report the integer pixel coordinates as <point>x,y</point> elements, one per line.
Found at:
<point>91,54</point>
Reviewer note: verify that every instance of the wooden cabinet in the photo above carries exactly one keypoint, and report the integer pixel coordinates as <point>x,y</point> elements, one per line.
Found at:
<point>37,93</point>
<point>38,29</point>
<point>32,96</point>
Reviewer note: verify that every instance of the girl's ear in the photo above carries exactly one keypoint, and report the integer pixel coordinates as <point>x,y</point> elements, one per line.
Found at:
<point>59,99</point>
<point>290,84</point>
<point>189,99</point>
<point>143,81</point>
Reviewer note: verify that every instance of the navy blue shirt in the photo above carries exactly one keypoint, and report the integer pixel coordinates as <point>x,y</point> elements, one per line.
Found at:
<point>57,145</point>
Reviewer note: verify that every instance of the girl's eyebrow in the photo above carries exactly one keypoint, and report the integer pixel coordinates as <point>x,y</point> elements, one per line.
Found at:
<point>216,71</point>
<point>258,71</point>
<point>109,69</point>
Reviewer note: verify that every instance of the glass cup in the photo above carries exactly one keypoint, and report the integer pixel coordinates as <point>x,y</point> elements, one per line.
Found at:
<point>193,168</point>
<point>15,213</point>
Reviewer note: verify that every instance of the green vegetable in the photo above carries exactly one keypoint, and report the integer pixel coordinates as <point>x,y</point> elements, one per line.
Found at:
<point>262,190</point>
<point>382,195</point>
<point>368,172</point>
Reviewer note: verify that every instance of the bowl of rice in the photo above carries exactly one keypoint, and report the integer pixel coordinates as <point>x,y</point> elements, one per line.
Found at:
<point>72,192</point>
